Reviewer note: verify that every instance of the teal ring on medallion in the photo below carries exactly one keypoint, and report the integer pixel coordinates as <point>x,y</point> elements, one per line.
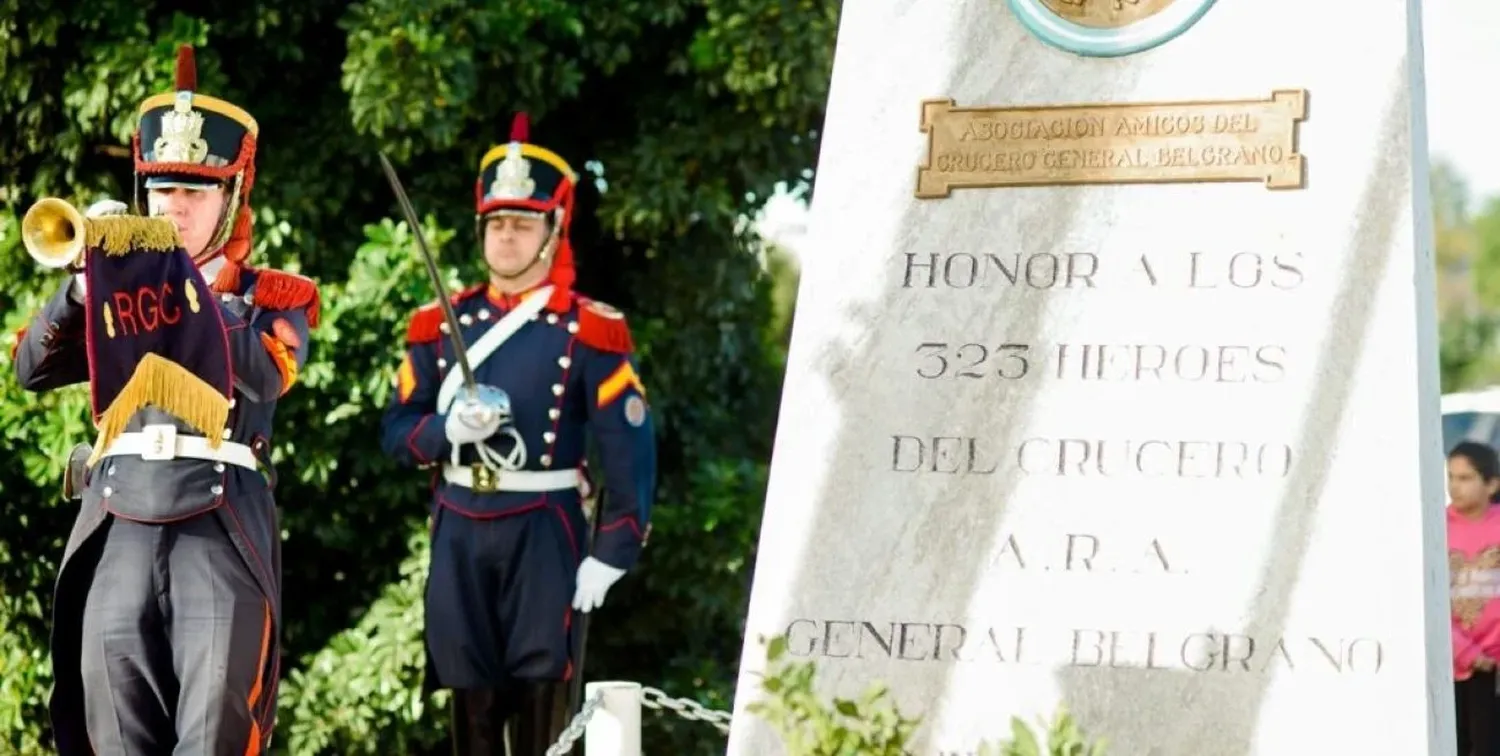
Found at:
<point>1093,42</point>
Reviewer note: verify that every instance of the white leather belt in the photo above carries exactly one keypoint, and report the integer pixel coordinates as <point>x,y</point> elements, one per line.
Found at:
<point>161,442</point>
<point>529,481</point>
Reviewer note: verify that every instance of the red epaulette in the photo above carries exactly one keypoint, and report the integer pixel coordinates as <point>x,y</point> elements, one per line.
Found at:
<point>425,325</point>
<point>427,322</point>
<point>279,290</point>
<point>603,327</point>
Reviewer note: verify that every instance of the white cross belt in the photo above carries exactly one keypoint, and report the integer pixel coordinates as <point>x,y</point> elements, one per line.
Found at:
<point>528,481</point>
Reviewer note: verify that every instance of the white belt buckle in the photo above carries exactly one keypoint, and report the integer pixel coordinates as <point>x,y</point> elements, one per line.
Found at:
<point>161,442</point>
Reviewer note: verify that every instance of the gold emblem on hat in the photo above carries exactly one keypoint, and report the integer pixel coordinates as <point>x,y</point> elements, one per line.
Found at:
<point>181,139</point>
<point>513,177</point>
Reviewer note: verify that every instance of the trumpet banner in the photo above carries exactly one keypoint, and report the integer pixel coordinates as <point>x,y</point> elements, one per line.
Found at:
<point>156,337</point>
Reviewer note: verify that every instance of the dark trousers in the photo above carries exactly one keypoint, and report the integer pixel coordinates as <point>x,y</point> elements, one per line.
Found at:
<point>527,716</point>
<point>175,634</point>
<point>1478,713</point>
<point>499,626</point>
<point>499,597</point>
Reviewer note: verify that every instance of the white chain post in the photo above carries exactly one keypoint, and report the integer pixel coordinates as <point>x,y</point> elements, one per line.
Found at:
<point>615,728</point>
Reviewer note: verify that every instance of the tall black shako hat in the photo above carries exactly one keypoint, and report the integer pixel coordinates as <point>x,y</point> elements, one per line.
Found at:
<point>522,178</point>
<point>194,140</point>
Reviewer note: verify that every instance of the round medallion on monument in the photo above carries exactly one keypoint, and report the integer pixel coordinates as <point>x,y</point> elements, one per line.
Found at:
<point>1108,28</point>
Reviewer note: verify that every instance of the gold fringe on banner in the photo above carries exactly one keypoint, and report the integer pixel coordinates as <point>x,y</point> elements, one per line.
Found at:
<point>122,234</point>
<point>170,387</point>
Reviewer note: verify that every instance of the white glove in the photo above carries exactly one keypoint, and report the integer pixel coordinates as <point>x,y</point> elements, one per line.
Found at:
<point>471,421</point>
<point>594,580</point>
<point>99,209</point>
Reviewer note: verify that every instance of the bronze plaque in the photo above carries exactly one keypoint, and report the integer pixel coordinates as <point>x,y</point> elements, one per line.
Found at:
<point>1142,143</point>
<point>1106,14</point>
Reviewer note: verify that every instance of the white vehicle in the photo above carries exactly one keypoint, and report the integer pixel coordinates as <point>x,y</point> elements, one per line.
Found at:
<point>1471,416</point>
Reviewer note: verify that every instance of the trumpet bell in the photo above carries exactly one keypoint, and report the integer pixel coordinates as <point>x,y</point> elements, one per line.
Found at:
<point>54,233</point>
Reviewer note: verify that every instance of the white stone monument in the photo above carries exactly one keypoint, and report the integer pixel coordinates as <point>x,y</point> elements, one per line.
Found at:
<point>1113,382</point>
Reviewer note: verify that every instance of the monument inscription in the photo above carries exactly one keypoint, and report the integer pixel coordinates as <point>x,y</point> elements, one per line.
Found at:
<point>917,641</point>
<point>1051,270</point>
<point>975,360</point>
<point>1229,140</point>
<point>1126,432</point>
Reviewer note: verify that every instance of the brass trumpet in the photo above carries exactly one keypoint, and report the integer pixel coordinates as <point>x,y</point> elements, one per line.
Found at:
<point>54,233</point>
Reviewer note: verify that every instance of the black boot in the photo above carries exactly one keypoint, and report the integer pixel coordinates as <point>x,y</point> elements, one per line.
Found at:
<point>479,722</point>
<point>541,716</point>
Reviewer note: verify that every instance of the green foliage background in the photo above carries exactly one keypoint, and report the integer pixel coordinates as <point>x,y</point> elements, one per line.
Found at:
<point>683,114</point>
<point>1468,268</point>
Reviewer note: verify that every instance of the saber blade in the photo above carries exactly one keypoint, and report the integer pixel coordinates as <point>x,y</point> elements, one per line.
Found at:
<point>437,277</point>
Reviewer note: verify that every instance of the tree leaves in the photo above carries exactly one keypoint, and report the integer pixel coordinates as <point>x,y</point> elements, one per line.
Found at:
<point>811,724</point>
<point>1467,251</point>
<point>693,109</point>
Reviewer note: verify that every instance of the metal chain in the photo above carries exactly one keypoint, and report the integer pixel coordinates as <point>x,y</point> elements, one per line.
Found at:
<point>575,728</point>
<point>651,698</point>
<point>686,708</point>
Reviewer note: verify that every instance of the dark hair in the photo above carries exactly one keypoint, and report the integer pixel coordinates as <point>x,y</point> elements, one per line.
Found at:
<point>1482,457</point>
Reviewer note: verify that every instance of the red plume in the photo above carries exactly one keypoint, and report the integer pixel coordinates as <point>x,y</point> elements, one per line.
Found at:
<point>187,69</point>
<point>520,128</point>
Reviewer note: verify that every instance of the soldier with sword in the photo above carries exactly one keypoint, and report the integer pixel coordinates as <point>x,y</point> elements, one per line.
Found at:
<point>499,388</point>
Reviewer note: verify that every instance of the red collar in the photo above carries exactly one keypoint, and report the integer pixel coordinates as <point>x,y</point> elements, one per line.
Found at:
<point>507,302</point>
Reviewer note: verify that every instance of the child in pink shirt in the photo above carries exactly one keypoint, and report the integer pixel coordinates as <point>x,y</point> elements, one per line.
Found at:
<point>1474,567</point>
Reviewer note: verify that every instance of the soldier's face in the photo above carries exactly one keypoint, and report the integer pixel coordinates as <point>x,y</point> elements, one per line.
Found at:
<point>511,243</point>
<point>195,212</point>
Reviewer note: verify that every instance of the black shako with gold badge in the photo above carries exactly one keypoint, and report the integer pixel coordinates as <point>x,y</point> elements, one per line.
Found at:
<point>168,611</point>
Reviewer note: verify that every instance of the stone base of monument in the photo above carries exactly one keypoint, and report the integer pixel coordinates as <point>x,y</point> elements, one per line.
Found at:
<point>1113,381</point>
